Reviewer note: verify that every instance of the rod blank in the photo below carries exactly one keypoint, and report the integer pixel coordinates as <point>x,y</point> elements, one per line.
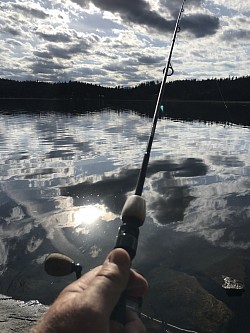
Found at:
<point>144,166</point>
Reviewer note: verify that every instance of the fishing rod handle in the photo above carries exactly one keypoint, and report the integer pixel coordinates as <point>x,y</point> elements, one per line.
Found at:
<point>133,216</point>
<point>118,316</point>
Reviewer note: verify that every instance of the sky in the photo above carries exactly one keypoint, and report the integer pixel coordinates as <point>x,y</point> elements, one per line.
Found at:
<point>122,42</point>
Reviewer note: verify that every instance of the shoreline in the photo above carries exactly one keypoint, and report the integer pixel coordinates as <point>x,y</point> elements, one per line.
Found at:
<point>19,316</point>
<point>125,100</point>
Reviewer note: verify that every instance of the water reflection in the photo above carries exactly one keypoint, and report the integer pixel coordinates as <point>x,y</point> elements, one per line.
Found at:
<point>64,180</point>
<point>89,215</point>
<point>86,215</point>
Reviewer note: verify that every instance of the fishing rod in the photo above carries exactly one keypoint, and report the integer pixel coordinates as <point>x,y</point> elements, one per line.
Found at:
<point>134,210</point>
<point>142,175</point>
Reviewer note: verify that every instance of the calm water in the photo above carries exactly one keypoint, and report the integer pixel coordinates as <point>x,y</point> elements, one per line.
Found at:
<point>64,180</point>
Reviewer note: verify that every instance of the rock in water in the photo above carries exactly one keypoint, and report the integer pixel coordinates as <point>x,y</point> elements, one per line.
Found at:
<point>232,286</point>
<point>179,299</point>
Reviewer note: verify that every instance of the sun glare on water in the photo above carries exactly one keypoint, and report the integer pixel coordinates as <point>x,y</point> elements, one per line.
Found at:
<point>88,215</point>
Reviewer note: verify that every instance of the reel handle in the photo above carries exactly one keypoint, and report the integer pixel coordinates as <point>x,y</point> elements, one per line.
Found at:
<point>57,264</point>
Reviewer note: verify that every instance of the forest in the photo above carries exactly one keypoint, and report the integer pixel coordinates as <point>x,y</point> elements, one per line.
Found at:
<point>228,89</point>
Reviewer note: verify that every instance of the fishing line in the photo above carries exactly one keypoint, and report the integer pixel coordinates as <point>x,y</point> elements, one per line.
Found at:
<point>167,324</point>
<point>224,102</point>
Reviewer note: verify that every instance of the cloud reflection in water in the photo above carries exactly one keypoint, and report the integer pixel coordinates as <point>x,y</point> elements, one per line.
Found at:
<point>59,189</point>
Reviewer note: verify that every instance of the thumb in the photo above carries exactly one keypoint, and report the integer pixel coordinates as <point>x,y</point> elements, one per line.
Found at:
<point>111,280</point>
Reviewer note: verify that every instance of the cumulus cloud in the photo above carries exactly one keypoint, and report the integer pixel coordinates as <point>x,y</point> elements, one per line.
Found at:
<point>57,37</point>
<point>64,45</point>
<point>140,12</point>
<point>14,31</point>
<point>174,6</point>
<point>46,67</point>
<point>67,52</point>
<point>29,10</point>
<point>150,60</point>
<point>103,35</point>
<point>232,35</point>
<point>201,25</point>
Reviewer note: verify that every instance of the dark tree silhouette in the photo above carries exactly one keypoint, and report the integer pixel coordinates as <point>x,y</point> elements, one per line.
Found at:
<point>230,89</point>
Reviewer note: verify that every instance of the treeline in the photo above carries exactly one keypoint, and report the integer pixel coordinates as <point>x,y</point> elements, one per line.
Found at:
<point>230,89</point>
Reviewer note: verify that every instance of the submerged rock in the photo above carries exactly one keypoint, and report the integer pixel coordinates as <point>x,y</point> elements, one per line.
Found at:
<point>179,299</point>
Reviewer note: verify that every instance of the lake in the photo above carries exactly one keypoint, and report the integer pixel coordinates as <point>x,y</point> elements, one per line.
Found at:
<point>65,178</point>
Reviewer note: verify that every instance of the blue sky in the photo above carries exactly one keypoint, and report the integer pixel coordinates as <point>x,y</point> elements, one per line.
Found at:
<point>122,42</point>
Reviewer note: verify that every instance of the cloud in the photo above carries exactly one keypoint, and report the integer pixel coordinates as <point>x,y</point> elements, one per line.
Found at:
<point>58,37</point>
<point>174,6</point>
<point>14,42</point>
<point>90,72</point>
<point>102,34</point>
<point>64,45</point>
<point>11,30</point>
<point>46,67</point>
<point>200,25</point>
<point>235,35</point>
<point>67,53</point>
<point>119,68</point>
<point>29,11</point>
<point>43,54</point>
<point>140,12</point>
<point>150,60</point>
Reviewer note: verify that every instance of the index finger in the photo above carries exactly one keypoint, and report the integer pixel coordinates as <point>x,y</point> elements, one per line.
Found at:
<point>137,285</point>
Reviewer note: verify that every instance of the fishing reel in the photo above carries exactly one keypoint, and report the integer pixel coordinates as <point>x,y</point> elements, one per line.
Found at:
<point>133,216</point>
<point>57,264</point>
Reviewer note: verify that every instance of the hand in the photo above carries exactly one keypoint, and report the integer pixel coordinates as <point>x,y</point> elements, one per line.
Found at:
<point>85,305</point>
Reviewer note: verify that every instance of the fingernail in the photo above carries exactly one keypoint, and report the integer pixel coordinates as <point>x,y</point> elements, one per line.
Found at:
<point>119,257</point>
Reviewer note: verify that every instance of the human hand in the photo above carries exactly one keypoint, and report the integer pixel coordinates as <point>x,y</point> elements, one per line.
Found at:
<point>85,305</point>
